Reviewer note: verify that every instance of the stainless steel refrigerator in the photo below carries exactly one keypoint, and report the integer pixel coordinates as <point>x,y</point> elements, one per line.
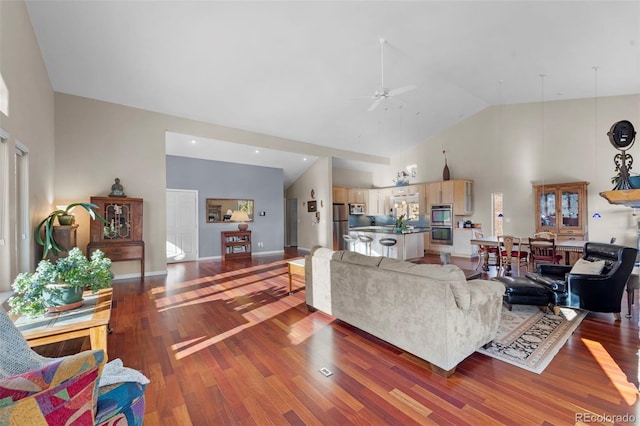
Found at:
<point>340,226</point>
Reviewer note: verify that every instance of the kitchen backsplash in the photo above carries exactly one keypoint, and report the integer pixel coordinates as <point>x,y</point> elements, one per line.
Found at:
<point>364,220</point>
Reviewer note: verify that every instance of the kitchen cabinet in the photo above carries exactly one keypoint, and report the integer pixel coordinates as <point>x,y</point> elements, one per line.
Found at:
<point>357,196</point>
<point>120,238</point>
<point>340,195</point>
<point>405,190</point>
<point>462,197</point>
<point>462,242</point>
<point>459,193</point>
<point>440,193</point>
<point>561,209</point>
<point>378,203</point>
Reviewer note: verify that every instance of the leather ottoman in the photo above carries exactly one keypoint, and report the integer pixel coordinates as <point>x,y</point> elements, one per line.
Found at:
<point>523,291</point>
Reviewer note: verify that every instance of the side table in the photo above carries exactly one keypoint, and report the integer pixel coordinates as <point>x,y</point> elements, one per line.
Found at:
<point>295,267</point>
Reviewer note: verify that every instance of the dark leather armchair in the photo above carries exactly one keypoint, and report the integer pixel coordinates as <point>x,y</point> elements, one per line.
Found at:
<point>597,293</point>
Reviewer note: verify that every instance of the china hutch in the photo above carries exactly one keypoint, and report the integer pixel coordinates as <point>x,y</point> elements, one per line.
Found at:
<point>561,208</point>
<point>120,238</point>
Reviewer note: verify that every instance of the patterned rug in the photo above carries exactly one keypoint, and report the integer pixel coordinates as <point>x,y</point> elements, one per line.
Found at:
<point>528,338</point>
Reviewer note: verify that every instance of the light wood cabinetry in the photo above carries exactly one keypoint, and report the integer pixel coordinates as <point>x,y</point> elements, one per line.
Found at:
<point>562,208</point>
<point>462,197</point>
<point>121,237</point>
<point>235,244</point>
<point>405,190</point>
<point>357,196</point>
<point>340,195</point>
<point>440,193</point>
<point>378,203</point>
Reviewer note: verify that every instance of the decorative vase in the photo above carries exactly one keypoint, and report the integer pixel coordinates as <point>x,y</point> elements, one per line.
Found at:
<point>62,297</point>
<point>66,219</point>
<point>445,172</point>
<point>635,181</point>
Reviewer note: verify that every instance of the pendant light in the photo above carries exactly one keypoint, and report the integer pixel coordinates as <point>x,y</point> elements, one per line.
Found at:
<point>501,214</point>
<point>596,214</point>
<point>544,195</point>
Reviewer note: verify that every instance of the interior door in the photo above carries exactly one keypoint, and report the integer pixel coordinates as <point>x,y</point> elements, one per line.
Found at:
<point>182,225</point>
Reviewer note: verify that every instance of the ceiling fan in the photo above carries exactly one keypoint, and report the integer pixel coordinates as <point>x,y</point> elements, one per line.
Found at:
<point>384,93</point>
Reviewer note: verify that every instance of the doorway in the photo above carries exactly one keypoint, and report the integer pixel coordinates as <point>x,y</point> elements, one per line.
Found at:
<point>291,225</point>
<point>182,225</point>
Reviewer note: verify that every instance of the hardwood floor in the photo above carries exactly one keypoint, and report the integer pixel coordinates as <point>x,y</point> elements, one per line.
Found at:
<point>223,343</point>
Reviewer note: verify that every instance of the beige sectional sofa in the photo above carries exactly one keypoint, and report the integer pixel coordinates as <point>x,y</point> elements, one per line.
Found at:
<point>430,311</point>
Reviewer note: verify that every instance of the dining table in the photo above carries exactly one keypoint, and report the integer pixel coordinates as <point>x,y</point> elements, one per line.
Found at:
<point>566,247</point>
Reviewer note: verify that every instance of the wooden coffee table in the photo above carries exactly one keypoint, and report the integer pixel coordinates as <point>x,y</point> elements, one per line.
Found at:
<point>91,319</point>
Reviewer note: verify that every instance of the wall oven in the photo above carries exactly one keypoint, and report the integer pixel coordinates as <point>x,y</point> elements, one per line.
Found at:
<point>442,215</point>
<point>442,224</point>
<point>442,235</point>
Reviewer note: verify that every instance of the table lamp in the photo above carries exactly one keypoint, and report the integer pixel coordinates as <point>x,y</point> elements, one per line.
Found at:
<point>242,217</point>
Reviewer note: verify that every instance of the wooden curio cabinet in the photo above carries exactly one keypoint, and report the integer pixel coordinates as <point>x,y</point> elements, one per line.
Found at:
<point>561,208</point>
<point>121,237</point>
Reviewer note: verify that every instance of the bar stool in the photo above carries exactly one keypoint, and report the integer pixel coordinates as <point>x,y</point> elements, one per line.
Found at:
<point>351,242</point>
<point>388,243</point>
<point>367,243</point>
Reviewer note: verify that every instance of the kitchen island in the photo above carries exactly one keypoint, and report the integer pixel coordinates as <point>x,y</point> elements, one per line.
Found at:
<point>410,243</point>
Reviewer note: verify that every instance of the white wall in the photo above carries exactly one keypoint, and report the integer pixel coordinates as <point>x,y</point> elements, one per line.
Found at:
<point>352,178</point>
<point>511,156</point>
<point>318,178</point>
<point>30,121</point>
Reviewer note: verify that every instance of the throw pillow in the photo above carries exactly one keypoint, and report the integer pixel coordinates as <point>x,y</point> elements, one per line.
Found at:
<point>584,267</point>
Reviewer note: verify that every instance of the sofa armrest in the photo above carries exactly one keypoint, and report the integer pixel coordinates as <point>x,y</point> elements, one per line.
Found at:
<point>58,393</point>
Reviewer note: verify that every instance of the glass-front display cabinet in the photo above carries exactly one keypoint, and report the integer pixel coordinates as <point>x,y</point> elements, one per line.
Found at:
<point>561,208</point>
<point>120,238</point>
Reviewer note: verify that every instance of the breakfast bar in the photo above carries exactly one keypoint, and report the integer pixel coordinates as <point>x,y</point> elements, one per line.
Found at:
<point>409,243</point>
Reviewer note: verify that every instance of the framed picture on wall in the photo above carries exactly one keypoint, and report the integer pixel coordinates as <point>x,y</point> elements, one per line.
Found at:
<point>311,206</point>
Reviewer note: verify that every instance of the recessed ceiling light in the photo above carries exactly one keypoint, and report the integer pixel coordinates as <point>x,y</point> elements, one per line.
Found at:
<point>193,141</point>
<point>304,159</point>
<point>257,151</point>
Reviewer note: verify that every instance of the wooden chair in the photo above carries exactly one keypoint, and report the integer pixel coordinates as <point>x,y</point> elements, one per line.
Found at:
<point>545,234</point>
<point>482,250</point>
<point>543,250</point>
<point>510,251</point>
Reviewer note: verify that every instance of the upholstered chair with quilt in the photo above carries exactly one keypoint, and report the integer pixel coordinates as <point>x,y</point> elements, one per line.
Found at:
<point>78,389</point>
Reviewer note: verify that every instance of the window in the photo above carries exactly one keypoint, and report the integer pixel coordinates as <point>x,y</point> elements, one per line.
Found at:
<point>21,196</point>
<point>497,212</point>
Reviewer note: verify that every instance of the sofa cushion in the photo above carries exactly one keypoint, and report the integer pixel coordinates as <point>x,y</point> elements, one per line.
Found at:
<point>447,274</point>
<point>585,267</point>
<point>357,258</point>
<point>436,272</point>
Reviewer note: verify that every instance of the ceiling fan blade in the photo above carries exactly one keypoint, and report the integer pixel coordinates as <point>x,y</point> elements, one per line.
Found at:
<point>403,89</point>
<point>375,104</point>
<point>365,97</point>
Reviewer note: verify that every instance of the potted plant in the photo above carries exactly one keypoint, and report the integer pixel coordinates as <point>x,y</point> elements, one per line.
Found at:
<point>53,285</point>
<point>44,230</point>
<point>401,224</point>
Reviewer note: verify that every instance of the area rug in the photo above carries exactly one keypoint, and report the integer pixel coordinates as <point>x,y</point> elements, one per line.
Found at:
<point>529,338</point>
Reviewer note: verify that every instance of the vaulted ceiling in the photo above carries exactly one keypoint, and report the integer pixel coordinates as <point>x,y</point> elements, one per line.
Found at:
<point>299,69</point>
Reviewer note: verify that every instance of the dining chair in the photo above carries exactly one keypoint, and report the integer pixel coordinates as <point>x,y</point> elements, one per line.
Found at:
<point>543,250</point>
<point>492,251</point>
<point>545,234</point>
<point>511,250</point>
